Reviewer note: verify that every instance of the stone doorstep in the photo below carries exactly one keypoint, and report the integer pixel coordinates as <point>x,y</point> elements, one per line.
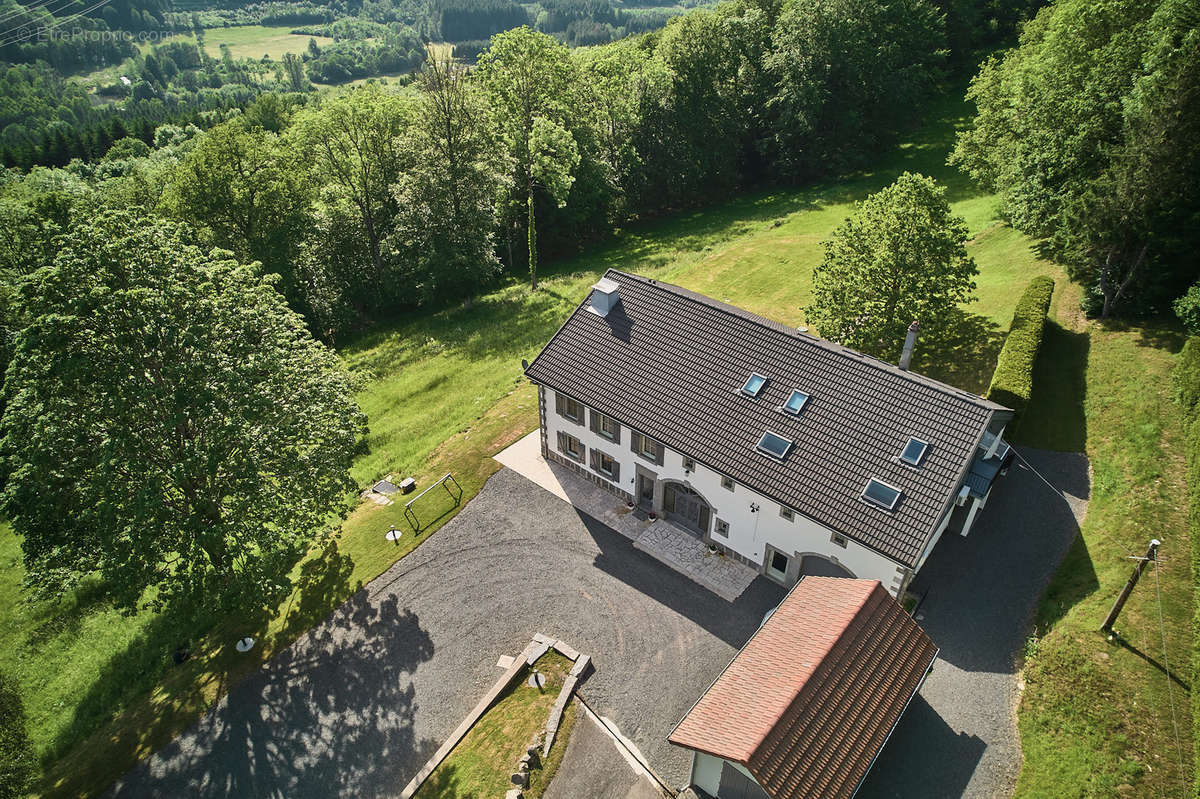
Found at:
<point>739,576</point>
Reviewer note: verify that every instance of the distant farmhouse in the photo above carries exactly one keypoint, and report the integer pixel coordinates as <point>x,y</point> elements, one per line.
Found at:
<point>789,453</point>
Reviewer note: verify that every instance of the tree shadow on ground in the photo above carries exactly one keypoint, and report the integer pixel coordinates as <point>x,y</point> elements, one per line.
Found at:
<point>181,690</point>
<point>1074,581</point>
<point>329,716</point>
<point>963,353</point>
<point>443,784</point>
<point>1160,334</point>
<point>1055,418</point>
<point>323,583</point>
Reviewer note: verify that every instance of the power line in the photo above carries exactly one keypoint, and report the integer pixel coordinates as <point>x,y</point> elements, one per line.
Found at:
<point>1162,628</point>
<point>58,24</point>
<point>42,5</point>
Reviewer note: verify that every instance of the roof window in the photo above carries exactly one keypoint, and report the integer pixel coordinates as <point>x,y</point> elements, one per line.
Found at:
<point>914,452</point>
<point>795,403</point>
<point>774,445</point>
<point>881,494</point>
<point>754,384</point>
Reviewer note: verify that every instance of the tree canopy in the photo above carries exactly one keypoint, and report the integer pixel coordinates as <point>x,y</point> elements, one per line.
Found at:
<point>171,425</point>
<point>1087,130</point>
<point>900,257</point>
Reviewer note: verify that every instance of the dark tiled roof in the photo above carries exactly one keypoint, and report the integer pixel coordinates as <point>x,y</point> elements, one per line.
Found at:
<point>669,363</point>
<point>811,699</point>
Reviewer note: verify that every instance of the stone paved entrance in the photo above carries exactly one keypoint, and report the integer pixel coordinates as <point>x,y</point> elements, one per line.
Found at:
<point>661,540</point>
<point>688,555</point>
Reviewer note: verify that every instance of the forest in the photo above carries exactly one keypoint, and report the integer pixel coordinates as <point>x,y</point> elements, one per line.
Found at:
<point>375,202</point>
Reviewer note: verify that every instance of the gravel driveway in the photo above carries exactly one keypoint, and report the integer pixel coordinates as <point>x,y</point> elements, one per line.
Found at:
<point>357,705</point>
<point>959,737</point>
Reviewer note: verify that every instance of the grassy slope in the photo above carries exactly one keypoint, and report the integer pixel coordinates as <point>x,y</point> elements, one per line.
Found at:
<point>1096,718</point>
<point>443,393</point>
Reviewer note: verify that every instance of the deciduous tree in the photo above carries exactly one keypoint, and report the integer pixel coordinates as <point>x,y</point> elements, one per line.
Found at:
<point>528,77</point>
<point>171,425</point>
<point>446,195</point>
<point>899,257</point>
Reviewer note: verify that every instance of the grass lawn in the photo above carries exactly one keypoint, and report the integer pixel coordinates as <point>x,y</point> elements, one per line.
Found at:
<point>482,762</point>
<point>1096,718</point>
<point>443,392</point>
<point>255,41</point>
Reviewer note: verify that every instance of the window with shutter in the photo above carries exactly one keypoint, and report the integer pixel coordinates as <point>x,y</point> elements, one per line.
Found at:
<point>569,409</point>
<point>606,465</point>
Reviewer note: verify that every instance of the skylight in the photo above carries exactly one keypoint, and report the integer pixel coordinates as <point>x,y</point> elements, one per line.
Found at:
<point>881,494</point>
<point>914,452</point>
<point>754,384</point>
<point>796,402</point>
<point>774,445</point>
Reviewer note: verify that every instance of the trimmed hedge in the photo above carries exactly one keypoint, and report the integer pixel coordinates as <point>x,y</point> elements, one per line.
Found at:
<point>1012,382</point>
<point>1186,379</point>
<point>18,765</point>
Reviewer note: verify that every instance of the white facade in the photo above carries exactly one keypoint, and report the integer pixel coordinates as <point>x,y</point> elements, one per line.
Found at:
<point>756,531</point>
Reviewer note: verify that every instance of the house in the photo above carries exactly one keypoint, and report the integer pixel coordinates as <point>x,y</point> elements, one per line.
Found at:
<point>789,453</point>
<point>804,709</point>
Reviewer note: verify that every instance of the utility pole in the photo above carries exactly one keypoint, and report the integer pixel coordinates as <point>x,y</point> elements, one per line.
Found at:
<point>1151,554</point>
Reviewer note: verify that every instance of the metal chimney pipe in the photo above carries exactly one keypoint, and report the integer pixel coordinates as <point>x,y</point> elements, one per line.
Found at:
<point>910,341</point>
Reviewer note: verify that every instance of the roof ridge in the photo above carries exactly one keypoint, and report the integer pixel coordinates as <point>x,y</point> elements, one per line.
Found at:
<point>815,341</point>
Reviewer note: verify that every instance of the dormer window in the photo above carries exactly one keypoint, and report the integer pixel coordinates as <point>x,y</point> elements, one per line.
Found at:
<point>774,445</point>
<point>795,403</point>
<point>881,494</point>
<point>914,452</point>
<point>754,384</point>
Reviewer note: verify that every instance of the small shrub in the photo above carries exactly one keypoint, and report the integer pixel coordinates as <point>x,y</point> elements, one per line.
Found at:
<point>1187,308</point>
<point>1012,382</point>
<point>18,764</point>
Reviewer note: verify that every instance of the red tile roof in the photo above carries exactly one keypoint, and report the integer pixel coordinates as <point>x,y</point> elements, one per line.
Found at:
<point>812,697</point>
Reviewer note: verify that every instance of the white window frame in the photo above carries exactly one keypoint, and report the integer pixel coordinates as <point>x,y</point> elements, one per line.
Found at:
<point>874,503</point>
<point>924,451</point>
<point>784,407</point>
<point>721,528</point>
<point>600,458</point>
<point>601,427</point>
<point>752,395</point>
<point>787,513</point>
<point>727,482</point>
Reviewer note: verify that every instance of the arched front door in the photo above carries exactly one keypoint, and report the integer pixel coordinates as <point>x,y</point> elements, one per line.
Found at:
<point>686,508</point>
<point>818,566</point>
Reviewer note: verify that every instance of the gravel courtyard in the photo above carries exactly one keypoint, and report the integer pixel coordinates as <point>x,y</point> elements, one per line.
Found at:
<point>357,705</point>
